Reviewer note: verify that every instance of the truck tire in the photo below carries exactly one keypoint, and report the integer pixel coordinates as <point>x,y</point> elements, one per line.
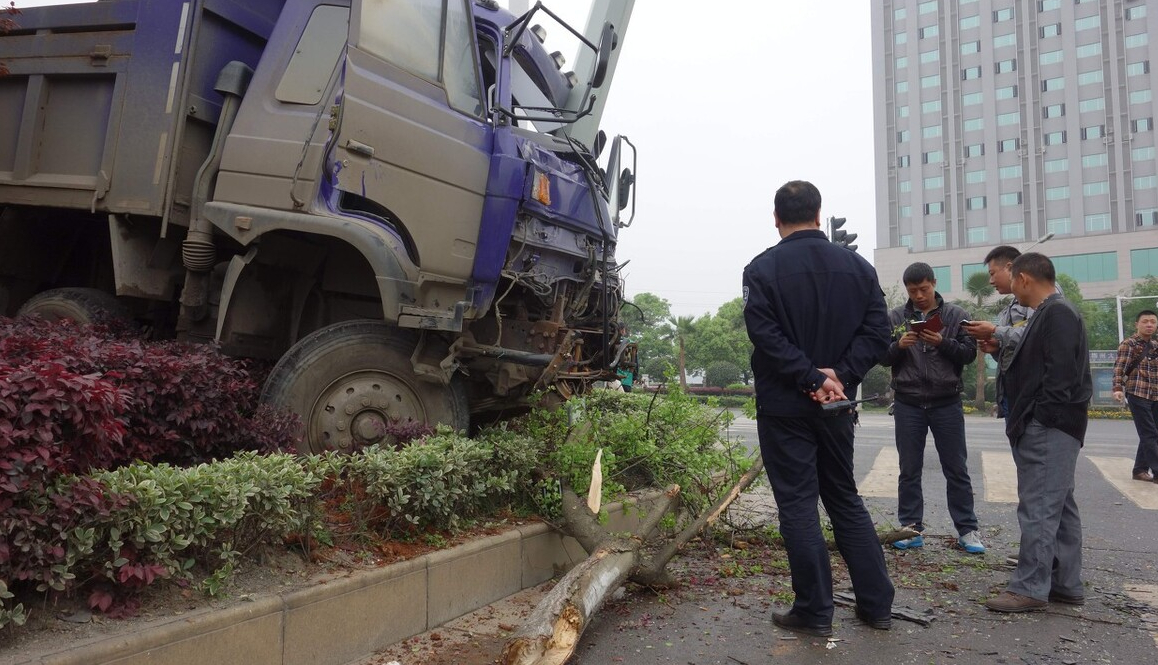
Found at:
<point>83,305</point>
<point>350,380</point>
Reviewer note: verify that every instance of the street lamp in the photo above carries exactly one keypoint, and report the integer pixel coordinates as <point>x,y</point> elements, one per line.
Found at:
<point>1038,242</point>
<point>1121,329</point>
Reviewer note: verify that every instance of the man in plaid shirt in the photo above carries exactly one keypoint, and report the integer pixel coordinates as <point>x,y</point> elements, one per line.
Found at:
<point>1136,383</point>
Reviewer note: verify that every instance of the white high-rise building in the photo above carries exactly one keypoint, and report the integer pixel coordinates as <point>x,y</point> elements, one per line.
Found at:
<point>1000,122</point>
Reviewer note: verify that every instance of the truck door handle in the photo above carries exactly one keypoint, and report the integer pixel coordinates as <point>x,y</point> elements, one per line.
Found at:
<point>360,148</point>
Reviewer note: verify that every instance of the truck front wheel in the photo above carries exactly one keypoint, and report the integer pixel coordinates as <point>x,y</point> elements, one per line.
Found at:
<point>353,381</point>
<point>83,305</point>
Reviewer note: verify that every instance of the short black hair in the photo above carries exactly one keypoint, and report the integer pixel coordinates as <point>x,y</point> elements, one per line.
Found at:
<point>797,202</point>
<point>1002,253</point>
<point>1145,312</point>
<point>1037,266</point>
<point>917,273</point>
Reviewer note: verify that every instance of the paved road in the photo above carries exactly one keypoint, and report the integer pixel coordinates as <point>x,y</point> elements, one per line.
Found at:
<point>731,624</point>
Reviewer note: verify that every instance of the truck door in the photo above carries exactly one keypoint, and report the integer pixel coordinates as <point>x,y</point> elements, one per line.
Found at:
<point>413,138</point>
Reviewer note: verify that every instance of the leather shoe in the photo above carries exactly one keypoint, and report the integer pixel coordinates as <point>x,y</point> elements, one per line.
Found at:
<point>885,623</point>
<point>1059,597</point>
<point>1144,476</point>
<point>795,622</point>
<point>1007,601</point>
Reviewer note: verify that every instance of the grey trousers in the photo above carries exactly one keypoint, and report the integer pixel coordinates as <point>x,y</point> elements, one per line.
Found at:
<point>1050,558</point>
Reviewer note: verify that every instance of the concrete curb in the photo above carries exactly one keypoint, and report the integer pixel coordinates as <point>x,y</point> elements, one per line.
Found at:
<point>343,619</point>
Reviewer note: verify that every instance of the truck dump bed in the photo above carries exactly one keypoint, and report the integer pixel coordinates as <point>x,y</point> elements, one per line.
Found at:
<point>110,106</point>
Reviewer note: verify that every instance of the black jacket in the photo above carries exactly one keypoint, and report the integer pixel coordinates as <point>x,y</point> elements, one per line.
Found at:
<point>1048,379</point>
<point>925,375</point>
<point>809,304</point>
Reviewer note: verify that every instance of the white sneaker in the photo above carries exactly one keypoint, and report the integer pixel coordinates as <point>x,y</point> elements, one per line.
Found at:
<point>971,543</point>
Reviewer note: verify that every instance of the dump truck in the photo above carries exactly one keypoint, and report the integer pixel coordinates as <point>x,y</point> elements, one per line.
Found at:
<point>405,206</point>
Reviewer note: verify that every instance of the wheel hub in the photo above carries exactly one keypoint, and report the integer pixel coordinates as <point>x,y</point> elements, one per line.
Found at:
<point>358,409</point>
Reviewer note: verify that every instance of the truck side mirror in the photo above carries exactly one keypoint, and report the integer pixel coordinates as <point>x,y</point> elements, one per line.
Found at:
<point>607,43</point>
<point>626,180</point>
<point>600,143</point>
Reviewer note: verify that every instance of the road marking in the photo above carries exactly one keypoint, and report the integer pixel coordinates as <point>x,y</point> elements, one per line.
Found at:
<point>1146,593</point>
<point>999,474</point>
<point>881,480</point>
<point>1119,472</point>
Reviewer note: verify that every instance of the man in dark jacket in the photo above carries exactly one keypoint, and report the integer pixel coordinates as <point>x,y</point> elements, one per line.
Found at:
<point>926,368</point>
<point>816,316</point>
<point>1048,387</point>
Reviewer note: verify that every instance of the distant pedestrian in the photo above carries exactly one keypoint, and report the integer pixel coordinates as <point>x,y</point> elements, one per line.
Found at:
<point>926,369</point>
<point>817,320</point>
<point>1136,383</point>
<point>1048,387</point>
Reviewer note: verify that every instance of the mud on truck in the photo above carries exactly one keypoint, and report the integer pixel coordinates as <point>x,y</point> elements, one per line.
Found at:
<point>407,204</point>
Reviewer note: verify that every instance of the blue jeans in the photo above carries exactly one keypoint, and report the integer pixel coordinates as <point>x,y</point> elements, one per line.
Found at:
<point>1145,414</point>
<point>947,423</point>
<point>807,459</point>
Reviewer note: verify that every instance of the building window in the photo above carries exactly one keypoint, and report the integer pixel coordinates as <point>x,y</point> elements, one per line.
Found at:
<point>1006,119</point>
<point>1053,111</point>
<point>1048,85</point>
<point>933,157</point>
<point>1138,68</point>
<point>1099,188</point>
<point>902,87</point>
<point>1141,96</point>
<point>935,182</point>
<point>1136,12</point>
<point>968,48</point>
<point>1093,132</point>
<point>1059,226</point>
<point>974,177</point>
<point>1087,23</point>
<point>975,203</point>
<point>1010,199</point>
<point>1013,231</point>
<point>903,111</point>
<point>970,73</point>
<point>931,81</point>
<point>970,269</point>
<point>1008,145</point>
<point>1057,165</point>
<point>1001,41</point>
<point>1142,154</point>
<point>1146,182</point>
<point>1099,267</point>
<point>1005,66</point>
<point>1095,104</point>
<point>1140,39</point>
<point>899,14</point>
<point>902,62</point>
<point>975,150</point>
<point>931,132</point>
<point>973,124</point>
<point>905,211</point>
<point>970,22</point>
<point>1008,92</point>
<point>903,161</point>
<point>1143,263</point>
<point>1050,57</point>
<point>903,136</point>
<point>1085,78</point>
<point>1054,138</point>
<point>1142,124</point>
<point>1051,30</point>
<point>1007,172</point>
<point>934,239</point>
<point>1003,15</point>
<point>935,208</point>
<point>977,235</point>
<point>1057,193</point>
<point>930,56</point>
<point>905,186</point>
<point>928,31</point>
<point>1087,50</point>
<point>1146,217</point>
<point>972,98</point>
<point>1048,5</point>
<point>907,240</point>
<point>928,7</point>
<point>1098,222</point>
<point>1094,161</point>
<point>933,106</point>
<point>901,38</point>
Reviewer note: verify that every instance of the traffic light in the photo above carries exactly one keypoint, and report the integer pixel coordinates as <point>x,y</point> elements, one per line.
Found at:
<point>840,236</point>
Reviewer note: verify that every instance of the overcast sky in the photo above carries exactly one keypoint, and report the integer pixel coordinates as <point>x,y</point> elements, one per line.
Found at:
<point>727,101</point>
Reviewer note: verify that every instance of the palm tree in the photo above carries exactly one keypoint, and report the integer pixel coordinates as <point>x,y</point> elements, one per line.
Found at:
<point>979,287</point>
<point>681,328</point>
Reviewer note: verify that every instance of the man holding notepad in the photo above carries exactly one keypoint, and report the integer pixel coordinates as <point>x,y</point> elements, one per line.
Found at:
<point>928,351</point>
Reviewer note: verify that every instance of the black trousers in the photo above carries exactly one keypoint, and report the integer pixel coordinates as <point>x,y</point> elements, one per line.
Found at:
<point>809,459</point>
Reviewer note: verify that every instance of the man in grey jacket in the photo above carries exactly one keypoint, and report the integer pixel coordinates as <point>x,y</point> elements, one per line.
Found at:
<point>926,369</point>
<point>1001,338</point>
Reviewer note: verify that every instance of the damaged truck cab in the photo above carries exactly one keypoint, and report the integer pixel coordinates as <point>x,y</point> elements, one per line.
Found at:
<point>406,204</point>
